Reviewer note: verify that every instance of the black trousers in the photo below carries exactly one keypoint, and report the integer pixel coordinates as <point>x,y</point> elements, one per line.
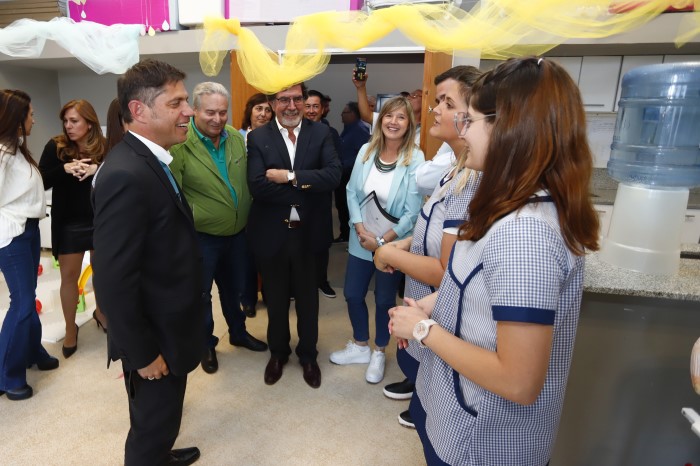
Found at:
<point>291,272</point>
<point>155,411</point>
<point>341,203</point>
<point>322,259</point>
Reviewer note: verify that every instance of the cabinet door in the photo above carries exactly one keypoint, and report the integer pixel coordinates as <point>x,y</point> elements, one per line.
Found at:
<point>680,58</point>
<point>690,230</point>
<point>598,82</point>
<point>571,64</point>
<point>604,216</point>
<point>630,62</point>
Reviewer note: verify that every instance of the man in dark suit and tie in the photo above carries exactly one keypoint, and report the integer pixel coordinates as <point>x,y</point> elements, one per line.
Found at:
<point>292,168</point>
<point>147,263</point>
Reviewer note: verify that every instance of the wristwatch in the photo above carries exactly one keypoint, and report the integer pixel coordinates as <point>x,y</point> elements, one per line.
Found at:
<point>421,330</point>
<point>291,177</point>
<point>380,241</point>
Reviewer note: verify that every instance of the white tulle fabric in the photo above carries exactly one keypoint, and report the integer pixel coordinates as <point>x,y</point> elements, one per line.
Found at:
<point>104,49</point>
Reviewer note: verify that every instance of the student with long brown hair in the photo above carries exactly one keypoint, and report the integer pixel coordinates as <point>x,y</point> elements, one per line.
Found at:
<point>22,204</point>
<point>498,335</point>
<point>67,164</point>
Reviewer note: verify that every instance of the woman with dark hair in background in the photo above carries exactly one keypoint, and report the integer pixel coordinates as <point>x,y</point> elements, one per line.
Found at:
<point>22,204</point>
<point>257,113</point>
<point>498,335</point>
<point>385,168</point>
<point>68,163</point>
<point>115,125</point>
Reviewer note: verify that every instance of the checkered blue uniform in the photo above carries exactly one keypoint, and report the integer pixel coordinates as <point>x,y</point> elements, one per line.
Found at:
<point>520,271</point>
<point>444,209</point>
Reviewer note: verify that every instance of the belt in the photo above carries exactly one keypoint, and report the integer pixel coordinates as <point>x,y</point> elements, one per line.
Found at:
<point>293,223</point>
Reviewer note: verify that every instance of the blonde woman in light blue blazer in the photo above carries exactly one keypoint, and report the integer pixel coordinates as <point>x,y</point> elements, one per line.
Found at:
<point>385,165</point>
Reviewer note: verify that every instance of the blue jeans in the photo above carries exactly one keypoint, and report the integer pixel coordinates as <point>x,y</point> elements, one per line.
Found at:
<point>20,336</point>
<point>225,260</point>
<point>358,274</point>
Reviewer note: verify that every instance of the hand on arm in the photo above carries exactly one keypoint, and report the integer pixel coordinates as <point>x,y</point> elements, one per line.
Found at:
<point>404,318</point>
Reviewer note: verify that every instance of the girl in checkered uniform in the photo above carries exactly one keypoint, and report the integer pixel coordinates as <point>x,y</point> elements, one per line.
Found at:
<point>500,330</point>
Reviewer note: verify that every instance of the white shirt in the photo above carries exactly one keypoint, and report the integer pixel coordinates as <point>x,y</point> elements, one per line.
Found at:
<point>21,194</point>
<point>429,173</point>
<point>291,149</point>
<point>380,183</point>
<point>160,153</point>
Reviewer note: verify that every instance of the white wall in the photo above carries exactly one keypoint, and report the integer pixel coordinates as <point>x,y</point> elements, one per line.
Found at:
<point>42,87</point>
<point>385,76</point>
<point>51,89</point>
<point>99,90</point>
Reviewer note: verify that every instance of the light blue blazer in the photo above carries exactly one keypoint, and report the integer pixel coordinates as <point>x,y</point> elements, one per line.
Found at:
<point>404,200</point>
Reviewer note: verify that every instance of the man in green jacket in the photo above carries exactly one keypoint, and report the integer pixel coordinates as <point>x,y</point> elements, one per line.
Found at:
<point>211,169</point>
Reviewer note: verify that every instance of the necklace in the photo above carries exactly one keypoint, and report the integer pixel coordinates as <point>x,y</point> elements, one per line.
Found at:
<point>384,167</point>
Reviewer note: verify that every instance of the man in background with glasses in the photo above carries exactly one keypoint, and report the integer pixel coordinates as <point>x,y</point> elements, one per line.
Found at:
<point>292,167</point>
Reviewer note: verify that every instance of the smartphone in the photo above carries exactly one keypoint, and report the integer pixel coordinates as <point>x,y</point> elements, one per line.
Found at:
<point>360,69</point>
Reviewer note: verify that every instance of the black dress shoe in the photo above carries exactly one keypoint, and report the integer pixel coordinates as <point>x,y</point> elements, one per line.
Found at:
<point>327,291</point>
<point>209,362</point>
<point>312,374</point>
<point>183,456</point>
<point>273,370</point>
<point>249,310</point>
<point>17,394</point>
<point>248,341</point>
<point>47,364</point>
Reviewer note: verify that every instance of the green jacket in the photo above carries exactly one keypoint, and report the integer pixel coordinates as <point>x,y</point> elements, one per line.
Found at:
<point>206,192</point>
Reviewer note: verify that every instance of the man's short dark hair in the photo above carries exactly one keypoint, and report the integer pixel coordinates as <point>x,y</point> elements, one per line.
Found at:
<point>315,93</point>
<point>354,108</point>
<point>145,81</point>
<point>461,73</point>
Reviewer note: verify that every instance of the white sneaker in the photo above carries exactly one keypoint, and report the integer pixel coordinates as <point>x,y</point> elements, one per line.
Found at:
<point>352,354</point>
<point>375,370</point>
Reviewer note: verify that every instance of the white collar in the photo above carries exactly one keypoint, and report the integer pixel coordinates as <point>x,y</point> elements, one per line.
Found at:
<point>160,153</point>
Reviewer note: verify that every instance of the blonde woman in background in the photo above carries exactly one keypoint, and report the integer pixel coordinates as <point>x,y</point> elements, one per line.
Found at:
<point>386,166</point>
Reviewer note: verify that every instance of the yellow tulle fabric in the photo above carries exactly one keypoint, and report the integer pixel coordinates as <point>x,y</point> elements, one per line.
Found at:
<point>497,29</point>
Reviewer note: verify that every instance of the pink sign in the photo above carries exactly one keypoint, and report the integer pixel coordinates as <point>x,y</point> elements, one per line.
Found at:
<point>108,12</point>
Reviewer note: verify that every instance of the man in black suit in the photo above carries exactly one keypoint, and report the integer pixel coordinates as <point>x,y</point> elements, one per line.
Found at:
<point>292,168</point>
<point>147,263</point>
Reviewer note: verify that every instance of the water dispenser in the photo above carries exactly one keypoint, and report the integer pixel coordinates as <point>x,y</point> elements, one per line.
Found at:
<point>656,158</point>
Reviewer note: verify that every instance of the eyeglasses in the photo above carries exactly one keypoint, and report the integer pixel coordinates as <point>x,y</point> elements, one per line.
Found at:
<point>286,100</point>
<point>464,121</point>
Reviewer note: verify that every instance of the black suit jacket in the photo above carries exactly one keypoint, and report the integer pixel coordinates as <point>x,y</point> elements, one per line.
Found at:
<point>147,263</point>
<point>318,170</point>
